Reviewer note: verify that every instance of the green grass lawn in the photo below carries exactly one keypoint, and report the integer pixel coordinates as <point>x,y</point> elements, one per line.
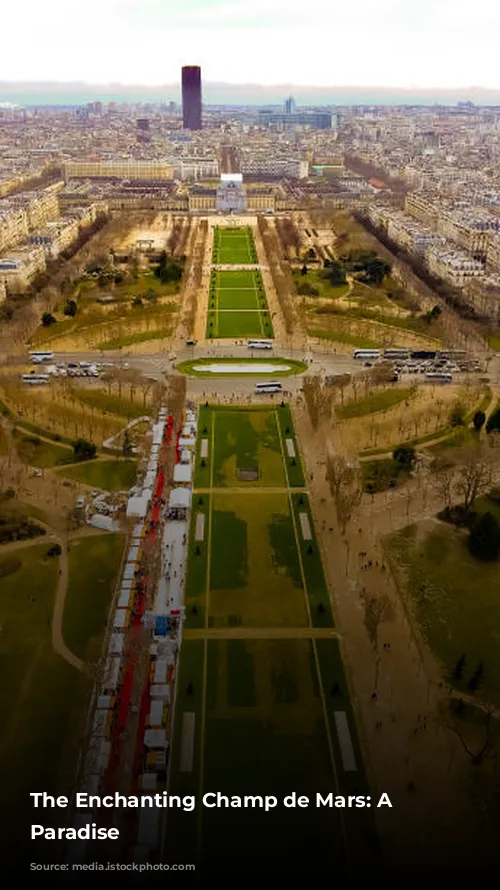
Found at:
<point>454,599</point>
<point>41,695</point>
<point>111,403</point>
<point>229,324</point>
<point>93,566</point>
<point>228,280</point>
<point>256,581</point>
<point>37,453</point>
<point>247,440</point>
<point>238,305</point>
<point>294,471</point>
<point>315,278</point>
<point>244,298</point>
<point>233,246</point>
<point>266,703</point>
<point>378,401</point>
<point>188,368</point>
<point>110,475</point>
<point>264,710</point>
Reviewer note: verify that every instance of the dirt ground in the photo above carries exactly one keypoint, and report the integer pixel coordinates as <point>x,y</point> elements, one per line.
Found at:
<point>398,692</point>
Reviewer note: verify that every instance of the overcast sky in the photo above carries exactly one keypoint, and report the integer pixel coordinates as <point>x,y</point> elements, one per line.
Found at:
<point>405,43</point>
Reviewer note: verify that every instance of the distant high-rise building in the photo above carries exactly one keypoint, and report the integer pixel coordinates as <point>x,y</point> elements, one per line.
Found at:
<point>191,97</point>
<point>290,106</point>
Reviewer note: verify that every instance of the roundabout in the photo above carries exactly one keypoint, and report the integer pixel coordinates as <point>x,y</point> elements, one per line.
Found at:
<point>234,367</point>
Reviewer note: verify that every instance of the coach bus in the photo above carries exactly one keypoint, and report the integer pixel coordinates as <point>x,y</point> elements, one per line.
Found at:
<point>453,354</point>
<point>423,354</point>
<point>439,377</point>
<point>260,344</point>
<point>34,379</point>
<point>366,353</point>
<point>270,386</point>
<point>401,354</point>
<point>37,357</point>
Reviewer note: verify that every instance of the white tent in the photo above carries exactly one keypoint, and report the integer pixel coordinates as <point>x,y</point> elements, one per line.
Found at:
<point>156,713</point>
<point>111,675</point>
<point>183,473</point>
<point>104,702</point>
<point>160,690</point>
<point>185,456</point>
<point>129,572</point>
<point>133,553</point>
<point>116,644</point>
<point>127,585</point>
<point>138,505</point>
<point>152,464</point>
<point>138,530</point>
<point>184,442</point>
<point>106,523</point>
<point>100,723</point>
<point>155,738</point>
<point>124,600</point>
<point>120,619</point>
<point>160,674</point>
<point>148,782</point>
<point>180,497</point>
<point>158,433</point>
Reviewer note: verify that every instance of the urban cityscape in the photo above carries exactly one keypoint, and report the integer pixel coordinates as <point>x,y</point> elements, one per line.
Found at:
<point>250,487</point>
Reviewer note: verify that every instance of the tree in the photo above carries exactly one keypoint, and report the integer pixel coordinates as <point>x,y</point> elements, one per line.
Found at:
<point>335,273</point>
<point>478,420</point>
<point>71,308</point>
<point>474,474</point>
<point>55,550</point>
<point>493,424</point>
<point>128,448</point>
<point>405,456</point>
<point>84,450</point>
<point>484,538</point>
<point>304,270</point>
<point>476,677</point>
<point>459,667</point>
<point>48,319</point>
<point>457,415</point>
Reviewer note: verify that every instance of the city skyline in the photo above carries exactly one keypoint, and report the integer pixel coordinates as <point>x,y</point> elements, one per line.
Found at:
<point>316,44</point>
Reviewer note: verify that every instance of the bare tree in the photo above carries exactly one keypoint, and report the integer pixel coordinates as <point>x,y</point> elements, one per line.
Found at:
<point>474,474</point>
<point>344,480</point>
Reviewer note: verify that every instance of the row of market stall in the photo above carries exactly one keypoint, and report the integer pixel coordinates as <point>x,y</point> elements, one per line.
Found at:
<point>113,699</point>
<point>166,623</point>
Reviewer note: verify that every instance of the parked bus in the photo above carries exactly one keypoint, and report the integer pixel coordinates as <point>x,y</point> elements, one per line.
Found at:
<point>270,386</point>
<point>37,357</point>
<point>396,354</point>
<point>366,353</point>
<point>260,344</point>
<point>453,354</point>
<point>35,379</point>
<point>423,354</point>
<point>439,377</point>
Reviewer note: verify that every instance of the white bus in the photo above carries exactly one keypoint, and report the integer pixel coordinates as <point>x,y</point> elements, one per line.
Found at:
<point>366,353</point>
<point>260,344</point>
<point>397,354</point>
<point>37,357</point>
<point>36,379</point>
<point>439,377</point>
<point>270,386</point>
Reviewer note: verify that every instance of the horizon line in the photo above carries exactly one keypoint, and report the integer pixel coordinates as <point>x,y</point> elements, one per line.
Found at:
<point>252,84</point>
